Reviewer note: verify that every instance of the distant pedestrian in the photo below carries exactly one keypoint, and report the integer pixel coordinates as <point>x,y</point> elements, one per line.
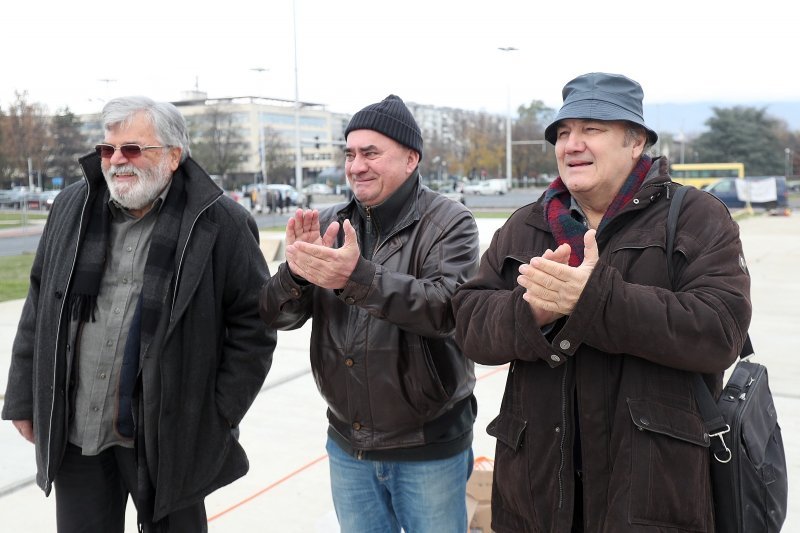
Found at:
<point>599,430</point>
<point>375,275</point>
<point>140,348</point>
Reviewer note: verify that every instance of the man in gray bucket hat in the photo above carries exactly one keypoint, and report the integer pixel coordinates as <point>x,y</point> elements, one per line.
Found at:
<point>598,429</point>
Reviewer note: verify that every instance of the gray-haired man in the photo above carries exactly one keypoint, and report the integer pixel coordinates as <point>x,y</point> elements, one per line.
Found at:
<point>140,349</point>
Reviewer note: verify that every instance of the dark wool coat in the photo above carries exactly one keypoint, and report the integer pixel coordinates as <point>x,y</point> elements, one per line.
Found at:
<point>202,371</point>
<point>623,361</point>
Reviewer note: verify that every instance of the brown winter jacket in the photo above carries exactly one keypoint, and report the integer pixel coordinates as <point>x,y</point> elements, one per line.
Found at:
<point>623,360</point>
<point>382,350</point>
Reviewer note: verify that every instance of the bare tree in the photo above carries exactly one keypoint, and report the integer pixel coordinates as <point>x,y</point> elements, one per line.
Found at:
<point>278,156</point>
<point>217,144</point>
<point>26,131</point>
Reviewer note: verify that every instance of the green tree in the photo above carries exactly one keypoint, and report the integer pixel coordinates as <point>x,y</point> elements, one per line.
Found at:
<point>69,143</point>
<point>744,134</point>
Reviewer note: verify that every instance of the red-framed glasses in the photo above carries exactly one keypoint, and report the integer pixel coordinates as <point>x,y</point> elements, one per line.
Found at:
<point>129,151</point>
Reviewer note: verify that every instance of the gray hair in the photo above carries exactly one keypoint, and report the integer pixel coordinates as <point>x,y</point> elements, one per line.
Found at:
<point>634,132</point>
<point>168,123</point>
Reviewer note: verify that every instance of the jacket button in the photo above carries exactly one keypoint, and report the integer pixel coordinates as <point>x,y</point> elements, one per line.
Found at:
<point>555,358</point>
<point>58,295</point>
<point>349,300</point>
<point>356,426</point>
<point>349,361</point>
<point>295,293</point>
<point>564,345</point>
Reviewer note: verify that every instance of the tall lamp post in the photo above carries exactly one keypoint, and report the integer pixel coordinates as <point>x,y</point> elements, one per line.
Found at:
<point>262,138</point>
<point>298,157</point>
<point>508,119</point>
<point>788,171</point>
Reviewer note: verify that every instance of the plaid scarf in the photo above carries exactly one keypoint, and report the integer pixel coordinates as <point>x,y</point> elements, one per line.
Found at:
<point>159,267</point>
<point>567,229</point>
<point>157,290</point>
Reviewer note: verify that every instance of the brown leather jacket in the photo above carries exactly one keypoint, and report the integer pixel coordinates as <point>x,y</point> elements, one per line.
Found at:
<point>382,350</point>
<point>620,365</point>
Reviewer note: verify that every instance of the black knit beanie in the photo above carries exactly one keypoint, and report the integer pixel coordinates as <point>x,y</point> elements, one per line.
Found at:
<point>392,118</point>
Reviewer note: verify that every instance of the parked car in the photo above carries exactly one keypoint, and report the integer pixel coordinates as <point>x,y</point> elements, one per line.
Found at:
<point>42,200</point>
<point>273,196</point>
<point>13,198</point>
<point>318,188</point>
<point>487,187</point>
<point>287,191</point>
<point>452,193</point>
<point>767,192</point>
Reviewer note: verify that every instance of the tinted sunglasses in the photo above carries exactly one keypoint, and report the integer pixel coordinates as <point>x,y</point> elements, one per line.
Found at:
<point>129,151</point>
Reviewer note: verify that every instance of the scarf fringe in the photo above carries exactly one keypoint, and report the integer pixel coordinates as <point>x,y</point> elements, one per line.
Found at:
<point>82,307</point>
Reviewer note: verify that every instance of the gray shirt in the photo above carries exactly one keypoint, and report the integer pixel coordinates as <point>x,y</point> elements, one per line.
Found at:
<point>102,343</point>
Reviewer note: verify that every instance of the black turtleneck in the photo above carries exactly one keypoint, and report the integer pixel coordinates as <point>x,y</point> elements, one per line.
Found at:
<point>376,222</point>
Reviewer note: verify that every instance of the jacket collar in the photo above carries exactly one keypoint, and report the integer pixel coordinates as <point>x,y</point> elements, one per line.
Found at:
<point>201,190</point>
<point>395,210</point>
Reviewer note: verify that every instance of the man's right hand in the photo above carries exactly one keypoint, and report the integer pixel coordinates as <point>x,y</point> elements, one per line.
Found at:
<point>303,227</point>
<point>25,428</point>
<point>560,255</point>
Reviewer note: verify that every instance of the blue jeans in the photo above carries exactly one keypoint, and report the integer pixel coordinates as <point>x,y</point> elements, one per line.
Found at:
<point>383,496</point>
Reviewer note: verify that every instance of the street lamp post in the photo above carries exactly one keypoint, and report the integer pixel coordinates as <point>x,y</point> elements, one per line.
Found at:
<point>508,120</point>
<point>788,171</point>
<point>298,158</point>
<point>262,138</point>
<point>681,138</point>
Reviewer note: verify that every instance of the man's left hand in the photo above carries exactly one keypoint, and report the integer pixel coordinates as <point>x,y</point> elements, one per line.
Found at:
<point>320,263</point>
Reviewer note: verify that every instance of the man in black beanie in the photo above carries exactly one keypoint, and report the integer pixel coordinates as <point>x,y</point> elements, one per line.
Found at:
<point>376,276</point>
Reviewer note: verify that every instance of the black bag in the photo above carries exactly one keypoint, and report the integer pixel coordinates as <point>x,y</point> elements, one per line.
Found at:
<point>748,463</point>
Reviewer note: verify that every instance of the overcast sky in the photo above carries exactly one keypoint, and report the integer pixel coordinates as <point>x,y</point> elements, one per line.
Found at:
<point>349,54</point>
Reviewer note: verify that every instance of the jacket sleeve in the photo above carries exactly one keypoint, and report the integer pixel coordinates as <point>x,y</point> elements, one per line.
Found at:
<point>700,326</point>
<point>18,402</point>
<point>420,301</point>
<point>284,303</point>
<point>248,345</point>
<point>494,325</point>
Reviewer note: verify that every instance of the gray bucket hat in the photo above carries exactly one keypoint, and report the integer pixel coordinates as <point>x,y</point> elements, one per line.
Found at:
<point>601,96</point>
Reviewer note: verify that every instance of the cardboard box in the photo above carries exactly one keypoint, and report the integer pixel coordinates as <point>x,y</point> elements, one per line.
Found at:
<point>479,496</point>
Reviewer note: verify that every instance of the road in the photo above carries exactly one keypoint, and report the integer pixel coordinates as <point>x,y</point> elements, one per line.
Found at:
<point>13,244</point>
<point>26,240</point>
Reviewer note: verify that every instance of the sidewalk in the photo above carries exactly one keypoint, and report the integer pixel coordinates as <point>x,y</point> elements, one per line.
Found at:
<point>287,487</point>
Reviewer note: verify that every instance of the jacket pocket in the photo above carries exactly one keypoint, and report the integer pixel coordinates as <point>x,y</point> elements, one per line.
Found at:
<point>670,476</point>
<point>511,494</point>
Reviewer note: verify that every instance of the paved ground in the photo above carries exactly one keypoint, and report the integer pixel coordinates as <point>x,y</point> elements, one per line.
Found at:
<point>284,432</point>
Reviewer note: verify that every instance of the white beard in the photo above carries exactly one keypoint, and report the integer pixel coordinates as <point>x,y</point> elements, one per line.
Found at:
<point>144,190</point>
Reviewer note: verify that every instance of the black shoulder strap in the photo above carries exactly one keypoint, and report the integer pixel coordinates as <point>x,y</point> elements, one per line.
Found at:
<point>712,417</point>
<point>672,226</point>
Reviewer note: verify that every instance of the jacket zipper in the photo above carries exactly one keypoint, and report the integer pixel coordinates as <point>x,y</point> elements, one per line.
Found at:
<point>48,477</point>
<point>563,438</point>
<point>183,253</point>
